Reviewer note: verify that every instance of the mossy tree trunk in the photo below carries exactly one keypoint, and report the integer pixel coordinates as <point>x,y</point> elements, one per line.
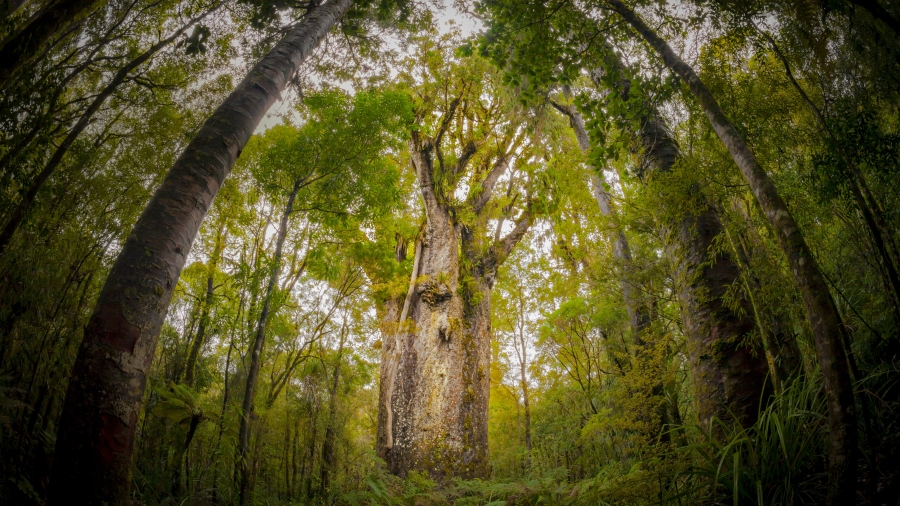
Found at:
<point>824,320</point>
<point>729,371</point>
<point>435,412</point>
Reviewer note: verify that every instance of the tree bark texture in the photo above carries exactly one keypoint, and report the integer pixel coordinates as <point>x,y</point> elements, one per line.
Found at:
<point>729,371</point>
<point>823,317</point>
<point>97,427</point>
<point>438,406</point>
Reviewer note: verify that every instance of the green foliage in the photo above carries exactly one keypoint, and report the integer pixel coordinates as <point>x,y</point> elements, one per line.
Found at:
<point>779,460</point>
<point>178,404</point>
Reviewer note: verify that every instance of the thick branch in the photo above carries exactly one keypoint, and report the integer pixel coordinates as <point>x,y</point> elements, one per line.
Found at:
<point>504,247</point>
<point>442,129</point>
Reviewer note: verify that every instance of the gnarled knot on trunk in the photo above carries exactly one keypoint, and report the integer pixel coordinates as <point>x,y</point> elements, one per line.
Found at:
<point>434,292</point>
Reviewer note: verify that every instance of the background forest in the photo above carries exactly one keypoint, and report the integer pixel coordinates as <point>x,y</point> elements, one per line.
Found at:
<point>493,252</point>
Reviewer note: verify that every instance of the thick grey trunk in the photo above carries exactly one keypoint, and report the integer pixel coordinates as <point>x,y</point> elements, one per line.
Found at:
<point>823,317</point>
<point>97,427</point>
<point>440,390</point>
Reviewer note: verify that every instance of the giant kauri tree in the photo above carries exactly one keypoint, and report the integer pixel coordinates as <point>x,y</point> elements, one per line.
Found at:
<point>359,252</point>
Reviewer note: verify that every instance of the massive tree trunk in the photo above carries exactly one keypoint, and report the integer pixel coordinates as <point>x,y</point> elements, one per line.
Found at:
<point>437,404</point>
<point>729,376</point>
<point>393,320</point>
<point>823,317</point>
<point>438,417</point>
<point>97,427</point>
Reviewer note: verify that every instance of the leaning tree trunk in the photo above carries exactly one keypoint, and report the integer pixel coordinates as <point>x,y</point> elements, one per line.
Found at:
<point>97,428</point>
<point>729,376</point>
<point>638,313</point>
<point>820,309</point>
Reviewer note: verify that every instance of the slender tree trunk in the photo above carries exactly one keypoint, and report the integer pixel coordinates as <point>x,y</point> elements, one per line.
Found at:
<point>97,427</point>
<point>178,462</point>
<point>820,309</point>
<point>199,338</point>
<point>310,457</point>
<point>526,404</point>
<point>258,343</point>
<point>328,444</point>
<point>215,488</point>
<point>788,360</point>
<point>19,213</point>
<point>638,313</point>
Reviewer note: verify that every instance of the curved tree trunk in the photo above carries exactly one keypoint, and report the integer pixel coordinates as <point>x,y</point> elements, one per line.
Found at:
<point>820,309</point>
<point>638,313</point>
<point>97,427</point>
